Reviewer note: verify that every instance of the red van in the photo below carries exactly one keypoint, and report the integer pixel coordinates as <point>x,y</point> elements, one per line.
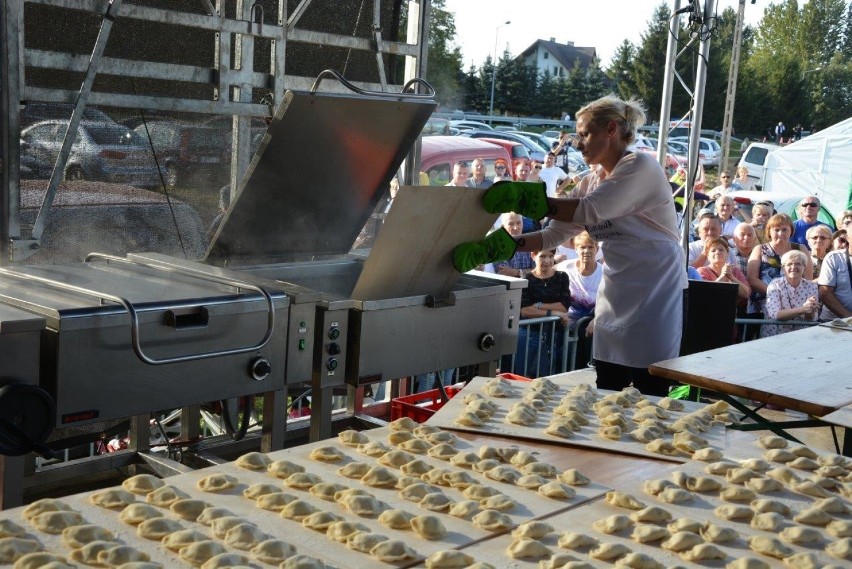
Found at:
<point>516,150</point>
<point>439,153</point>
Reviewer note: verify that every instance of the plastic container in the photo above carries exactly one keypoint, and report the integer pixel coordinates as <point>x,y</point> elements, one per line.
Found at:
<point>420,406</point>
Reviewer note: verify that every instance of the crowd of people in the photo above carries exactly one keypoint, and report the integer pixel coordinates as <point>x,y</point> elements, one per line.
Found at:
<point>784,270</point>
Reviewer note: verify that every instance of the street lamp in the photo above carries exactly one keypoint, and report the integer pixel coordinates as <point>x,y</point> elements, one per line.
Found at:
<point>494,69</point>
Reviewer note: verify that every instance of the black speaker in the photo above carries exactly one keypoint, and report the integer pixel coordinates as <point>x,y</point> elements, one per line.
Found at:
<point>709,312</point>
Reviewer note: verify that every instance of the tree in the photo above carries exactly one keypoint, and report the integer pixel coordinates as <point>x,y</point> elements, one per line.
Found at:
<point>444,66</point>
<point>620,70</point>
<point>648,74</point>
<point>546,102</point>
<point>595,86</point>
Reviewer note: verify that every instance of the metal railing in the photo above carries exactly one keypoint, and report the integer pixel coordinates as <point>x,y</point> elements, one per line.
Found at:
<point>749,322</point>
<point>544,348</point>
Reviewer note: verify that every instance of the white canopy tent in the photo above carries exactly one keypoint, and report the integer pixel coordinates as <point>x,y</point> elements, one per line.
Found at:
<point>820,165</point>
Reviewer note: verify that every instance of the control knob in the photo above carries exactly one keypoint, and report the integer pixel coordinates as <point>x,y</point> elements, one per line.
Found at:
<point>333,348</point>
<point>486,342</point>
<point>260,368</point>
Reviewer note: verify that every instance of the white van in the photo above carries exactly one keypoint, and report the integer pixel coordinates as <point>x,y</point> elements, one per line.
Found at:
<point>754,158</point>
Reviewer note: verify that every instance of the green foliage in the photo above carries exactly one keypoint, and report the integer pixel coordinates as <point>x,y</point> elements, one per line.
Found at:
<point>444,66</point>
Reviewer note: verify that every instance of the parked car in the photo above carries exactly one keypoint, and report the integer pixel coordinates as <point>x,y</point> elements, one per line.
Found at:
<point>544,142</point>
<point>436,125</point>
<point>463,125</point>
<point>439,153</point>
<point>709,151</point>
<point>516,150</point>
<point>32,113</point>
<point>102,151</point>
<point>185,151</point>
<point>533,149</point>
<point>754,158</point>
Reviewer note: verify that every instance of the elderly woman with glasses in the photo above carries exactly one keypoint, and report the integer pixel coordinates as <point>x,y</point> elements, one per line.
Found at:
<point>764,265</point>
<point>819,238</point>
<point>760,214</point>
<point>791,296</point>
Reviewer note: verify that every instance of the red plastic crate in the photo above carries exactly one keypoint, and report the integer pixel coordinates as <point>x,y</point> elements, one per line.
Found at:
<point>420,406</point>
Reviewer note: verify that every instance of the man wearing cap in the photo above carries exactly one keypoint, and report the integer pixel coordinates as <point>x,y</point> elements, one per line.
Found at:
<point>808,211</point>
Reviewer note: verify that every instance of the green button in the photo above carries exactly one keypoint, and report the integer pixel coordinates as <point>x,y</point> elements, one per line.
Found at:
<point>303,324</point>
<point>302,344</point>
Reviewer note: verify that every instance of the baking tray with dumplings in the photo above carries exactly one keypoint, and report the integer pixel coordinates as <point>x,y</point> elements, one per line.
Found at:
<point>635,529</point>
<point>559,410</point>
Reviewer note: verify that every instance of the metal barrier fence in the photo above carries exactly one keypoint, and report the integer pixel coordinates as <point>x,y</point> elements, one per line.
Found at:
<point>545,347</point>
<point>749,322</point>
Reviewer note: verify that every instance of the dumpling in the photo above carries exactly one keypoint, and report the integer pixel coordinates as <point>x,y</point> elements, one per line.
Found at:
<point>764,485</point>
<point>841,549</point>
<point>302,480</point>
<point>321,520</point>
<point>8,528</point>
<point>442,451</point>
<point>756,464</point>
<point>479,492</point>
<point>798,534</point>
<point>675,495</point>
<point>142,483</point>
<point>403,424</point>
<point>533,530</point>
<point>612,524</point>
<point>396,519</point>
<point>662,446</point>
<point>685,524</point>
<point>460,479</point>
<point>779,455</point>
<point>733,512</point>
<point>373,448</point>
<point>392,550</point>
<point>651,514</point>
<point>417,446</point>
<point>447,559</point>
<point>302,561</point>
<point>810,488</point>
<point>559,430</point>
<point>503,473</point>
<point>623,500</point>
<point>274,502</point>
<point>521,416</point>
<point>708,454</point>
<point>340,531</point>
<point>499,502</point>
<point>364,542</point>
<point>363,505</point>
<point>769,546</point>
<point>833,505</point>
<point>175,541</point>
<point>526,547</point>
<point>540,468</point>
<point>574,477</point>
<point>464,459</point>
<point>165,496</point>
<point>416,468</point>
<point>298,510</point>
<point>657,485</point>
<point>813,516</point>
<point>55,522</point>
<point>575,540</point>
<point>784,475</point>
<point>703,552</point>
<point>78,536</point>
<point>428,527</point>
<point>681,541</point>
<point>612,432</point>
<point>609,551</point>
<point>216,482</point>
<point>647,533</point>
<point>117,556</point>
<point>740,475</point>
<point>254,461</point>
<point>245,536</point>
<point>352,438</point>
<point>435,501</point>
<point>188,509</point>
<point>772,442</point>
<point>226,561</point>
<point>748,563</point>
<point>273,551</point>
<point>556,490</point>
<point>199,552</point>
<point>112,498</point>
<point>283,468</point>
<point>157,528</point>
<point>840,528</point>
<point>220,526</point>
<point>804,463</point>
<point>12,548</point>
<point>492,520</point>
<point>423,431</point>
<point>326,490</point>
<point>396,458</point>
<point>738,493</point>
<point>720,467</point>
<point>380,477</point>
<point>135,514</point>
<point>42,560</point>
<point>354,470</point>
<point>469,419</point>
<point>718,534</point>
<point>768,521</point>
<point>762,505</point>
<point>485,465</point>
<point>464,508</point>
<point>341,495</point>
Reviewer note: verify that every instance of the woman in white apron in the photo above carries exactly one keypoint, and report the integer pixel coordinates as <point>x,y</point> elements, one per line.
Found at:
<point>626,204</point>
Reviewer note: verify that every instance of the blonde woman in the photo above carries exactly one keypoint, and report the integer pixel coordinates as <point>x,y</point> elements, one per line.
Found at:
<point>819,240</point>
<point>760,214</point>
<point>791,296</point>
<point>626,204</point>
<point>742,181</point>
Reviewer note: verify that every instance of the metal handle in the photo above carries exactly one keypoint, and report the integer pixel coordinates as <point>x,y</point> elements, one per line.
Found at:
<point>355,89</point>
<point>134,319</point>
<point>219,279</point>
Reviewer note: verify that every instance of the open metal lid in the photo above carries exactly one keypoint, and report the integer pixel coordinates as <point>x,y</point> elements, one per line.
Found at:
<point>324,164</point>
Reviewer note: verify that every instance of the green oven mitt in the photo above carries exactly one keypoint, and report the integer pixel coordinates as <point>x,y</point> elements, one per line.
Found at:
<point>526,198</point>
<point>498,246</point>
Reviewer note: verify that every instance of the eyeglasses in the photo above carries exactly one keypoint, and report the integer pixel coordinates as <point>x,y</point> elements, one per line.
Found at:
<point>499,167</point>
<point>537,167</point>
<point>810,204</point>
<point>794,264</point>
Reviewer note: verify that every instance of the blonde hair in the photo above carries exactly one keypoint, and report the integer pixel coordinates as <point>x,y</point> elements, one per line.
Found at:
<point>779,219</point>
<point>794,253</point>
<point>628,115</point>
<point>818,229</point>
<point>742,170</point>
<point>584,239</point>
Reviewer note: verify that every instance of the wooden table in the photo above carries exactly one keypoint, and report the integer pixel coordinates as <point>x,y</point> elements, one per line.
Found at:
<point>807,370</point>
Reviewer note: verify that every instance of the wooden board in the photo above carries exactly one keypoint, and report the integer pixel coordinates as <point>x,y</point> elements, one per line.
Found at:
<point>842,417</point>
<point>806,370</point>
<point>700,508</point>
<point>461,532</point>
<point>413,253</point>
<point>587,437</point>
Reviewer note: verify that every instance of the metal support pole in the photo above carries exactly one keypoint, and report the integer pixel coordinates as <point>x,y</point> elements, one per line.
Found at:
<point>730,98</point>
<point>418,33</point>
<point>494,70</point>
<point>668,86</point>
<point>11,77</point>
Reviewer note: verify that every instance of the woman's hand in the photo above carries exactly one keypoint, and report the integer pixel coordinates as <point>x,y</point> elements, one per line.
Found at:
<point>727,273</point>
<point>590,329</point>
<point>563,317</point>
<point>811,306</point>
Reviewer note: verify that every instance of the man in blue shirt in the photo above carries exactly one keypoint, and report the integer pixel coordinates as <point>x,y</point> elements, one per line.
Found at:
<point>808,211</point>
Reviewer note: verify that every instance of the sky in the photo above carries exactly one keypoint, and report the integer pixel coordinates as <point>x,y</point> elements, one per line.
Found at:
<point>602,24</point>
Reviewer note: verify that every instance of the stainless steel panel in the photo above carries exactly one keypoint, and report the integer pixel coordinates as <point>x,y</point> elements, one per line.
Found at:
<point>331,348</point>
<point>323,166</point>
<point>391,343</point>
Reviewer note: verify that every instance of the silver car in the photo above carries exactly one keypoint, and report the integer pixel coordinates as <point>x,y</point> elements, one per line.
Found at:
<point>102,151</point>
